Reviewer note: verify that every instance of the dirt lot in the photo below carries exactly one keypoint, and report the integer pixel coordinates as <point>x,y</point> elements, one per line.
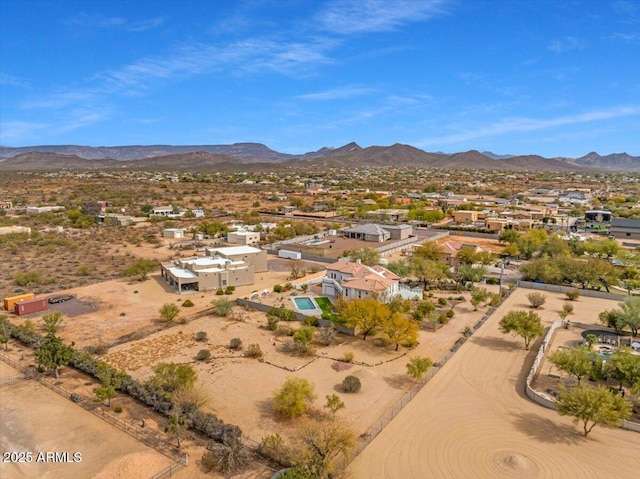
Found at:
<point>474,420</point>
<point>27,423</point>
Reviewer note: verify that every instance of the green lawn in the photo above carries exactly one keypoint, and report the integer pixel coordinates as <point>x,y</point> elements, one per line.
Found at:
<point>327,308</point>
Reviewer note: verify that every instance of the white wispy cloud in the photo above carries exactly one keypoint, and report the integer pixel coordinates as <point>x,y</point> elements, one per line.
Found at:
<point>14,132</point>
<point>339,93</point>
<point>85,20</point>
<point>566,44</point>
<point>10,80</point>
<point>348,17</point>
<point>511,125</point>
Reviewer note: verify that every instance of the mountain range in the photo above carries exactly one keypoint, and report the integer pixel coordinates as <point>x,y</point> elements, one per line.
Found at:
<point>256,156</point>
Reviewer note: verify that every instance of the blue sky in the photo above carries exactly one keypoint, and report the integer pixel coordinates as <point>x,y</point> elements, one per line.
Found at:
<point>555,78</point>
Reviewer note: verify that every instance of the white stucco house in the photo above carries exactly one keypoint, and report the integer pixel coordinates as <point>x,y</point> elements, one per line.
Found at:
<point>355,281</point>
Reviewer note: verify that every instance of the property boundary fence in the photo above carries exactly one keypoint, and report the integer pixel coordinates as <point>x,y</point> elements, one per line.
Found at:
<point>554,288</point>
<point>147,436</point>
<point>541,398</point>
<point>365,439</point>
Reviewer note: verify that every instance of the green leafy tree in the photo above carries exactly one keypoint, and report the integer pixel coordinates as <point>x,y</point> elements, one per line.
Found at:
<point>53,353</point>
<point>169,311</point>
<point>141,268</point>
<point>367,256</point>
<point>294,397</point>
<point>110,380</point>
<point>401,268</point>
<point>478,296</point>
<point>173,376</point>
<point>400,329</point>
<point>186,400</point>
<point>429,250</point>
<point>426,270</point>
<point>418,366</point>
<point>364,315</point>
<point>624,367</point>
<point>613,318</point>
<point>469,272</point>
<point>630,313</point>
<point>531,242</point>
<point>578,362</point>
<point>5,331</point>
<point>317,446</point>
<point>526,324</point>
<point>593,407</point>
<point>52,321</point>
<point>508,236</point>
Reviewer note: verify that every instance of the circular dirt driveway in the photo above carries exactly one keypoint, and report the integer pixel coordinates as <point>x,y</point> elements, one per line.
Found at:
<point>472,420</point>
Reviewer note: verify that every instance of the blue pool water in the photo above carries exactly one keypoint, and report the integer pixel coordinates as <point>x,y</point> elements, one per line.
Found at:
<point>304,303</point>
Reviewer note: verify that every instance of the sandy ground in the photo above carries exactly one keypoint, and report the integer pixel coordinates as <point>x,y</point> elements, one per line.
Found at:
<point>241,388</point>
<point>33,418</point>
<point>473,419</point>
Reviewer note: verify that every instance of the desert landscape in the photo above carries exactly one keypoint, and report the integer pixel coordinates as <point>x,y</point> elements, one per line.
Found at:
<point>474,420</point>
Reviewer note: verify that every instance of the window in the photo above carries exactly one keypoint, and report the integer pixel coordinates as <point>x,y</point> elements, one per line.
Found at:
<point>224,282</point>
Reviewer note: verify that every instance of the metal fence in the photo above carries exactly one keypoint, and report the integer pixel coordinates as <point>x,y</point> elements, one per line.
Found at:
<point>149,437</point>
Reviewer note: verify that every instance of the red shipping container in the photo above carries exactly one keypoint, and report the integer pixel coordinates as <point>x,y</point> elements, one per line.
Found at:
<point>31,306</point>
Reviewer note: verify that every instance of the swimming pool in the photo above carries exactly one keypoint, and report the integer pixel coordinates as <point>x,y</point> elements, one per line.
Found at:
<point>305,303</point>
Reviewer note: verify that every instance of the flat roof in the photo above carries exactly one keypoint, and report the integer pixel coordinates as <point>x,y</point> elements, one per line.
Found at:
<point>235,250</point>
<point>182,273</point>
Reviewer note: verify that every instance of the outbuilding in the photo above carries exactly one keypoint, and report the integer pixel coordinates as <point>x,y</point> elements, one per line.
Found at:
<point>31,306</point>
<point>9,302</point>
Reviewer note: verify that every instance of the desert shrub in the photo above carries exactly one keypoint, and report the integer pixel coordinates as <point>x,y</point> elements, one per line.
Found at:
<point>282,314</point>
<point>348,357</point>
<point>253,351</point>
<point>222,306</point>
<point>272,323</point>
<point>417,366</point>
<point>219,292</point>
<point>278,288</point>
<point>187,304</point>
<point>304,335</point>
<point>274,447</point>
<point>442,301</point>
<point>123,314</point>
<point>311,321</point>
<point>229,289</point>
<point>536,299</point>
<point>567,308</point>
<point>84,270</point>
<point>294,397</point>
<point>288,287</point>
<point>227,458</point>
<point>351,384</point>
<point>284,330</point>
<point>201,336</point>
<point>203,355</point>
<point>326,335</point>
<point>450,313</point>
<point>492,280</point>
<point>117,409</point>
<point>572,294</point>
<point>235,343</point>
<point>443,318</point>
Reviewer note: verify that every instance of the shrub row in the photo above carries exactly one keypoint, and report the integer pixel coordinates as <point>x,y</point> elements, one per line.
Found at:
<point>146,392</point>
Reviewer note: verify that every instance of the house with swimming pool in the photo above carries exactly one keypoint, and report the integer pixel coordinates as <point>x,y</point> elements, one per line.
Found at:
<point>353,280</point>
